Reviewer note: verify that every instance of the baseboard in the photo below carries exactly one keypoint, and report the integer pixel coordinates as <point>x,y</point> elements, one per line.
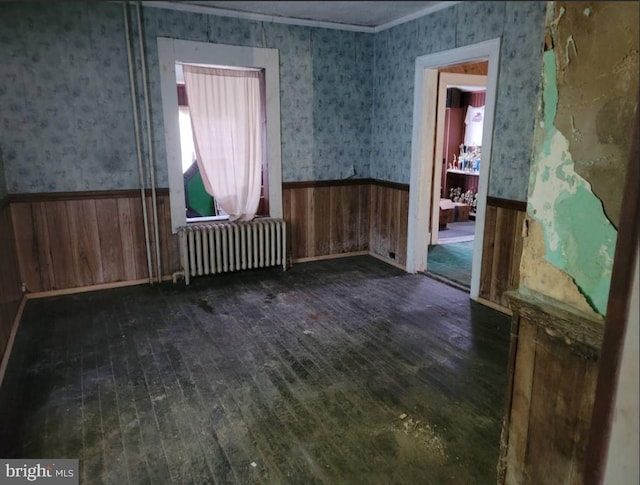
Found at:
<point>387,260</point>
<point>85,289</point>
<point>330,256</point>
<point>12,337</point>
<point>348,255</point>
<point>495,306</point>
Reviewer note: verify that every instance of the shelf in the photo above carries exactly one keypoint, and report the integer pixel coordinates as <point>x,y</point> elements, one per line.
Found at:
<point>451,170</point>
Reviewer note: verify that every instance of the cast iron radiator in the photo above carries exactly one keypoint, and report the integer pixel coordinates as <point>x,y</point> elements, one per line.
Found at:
<point>232,246</point>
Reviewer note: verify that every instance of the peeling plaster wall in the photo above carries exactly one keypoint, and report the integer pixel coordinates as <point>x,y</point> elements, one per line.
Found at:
<point>577,162</point>
<point>597,61</point>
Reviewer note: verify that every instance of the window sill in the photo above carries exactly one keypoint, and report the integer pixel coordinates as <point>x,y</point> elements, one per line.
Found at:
<point>196,220</point>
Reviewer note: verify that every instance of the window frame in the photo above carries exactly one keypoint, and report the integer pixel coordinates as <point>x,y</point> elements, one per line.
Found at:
<point>172,51</point>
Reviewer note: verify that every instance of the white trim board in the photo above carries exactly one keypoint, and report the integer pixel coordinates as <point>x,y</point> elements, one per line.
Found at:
<point>221,12</point>
<point>413,16</point>
<point>171,51</point>
<point>422,150</point>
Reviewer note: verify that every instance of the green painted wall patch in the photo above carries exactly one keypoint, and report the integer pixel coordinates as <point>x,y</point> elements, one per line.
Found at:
<point>579,239</point>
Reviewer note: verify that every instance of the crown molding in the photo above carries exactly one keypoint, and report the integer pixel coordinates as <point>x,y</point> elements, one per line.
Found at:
<point>415,15</point>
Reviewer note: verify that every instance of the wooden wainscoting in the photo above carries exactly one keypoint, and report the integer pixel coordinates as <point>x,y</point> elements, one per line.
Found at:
<point>553,368</point>
<point>10,292</point>
<point>337,218</point>
<point>501,249</point>
<point>326,218</point>
<point>389,216</point>
<point>78,239</point>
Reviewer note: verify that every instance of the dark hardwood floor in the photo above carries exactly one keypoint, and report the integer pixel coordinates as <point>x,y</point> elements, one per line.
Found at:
<point>343,371</point>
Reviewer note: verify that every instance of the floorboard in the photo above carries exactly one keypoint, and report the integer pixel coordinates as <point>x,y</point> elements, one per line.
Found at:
<point>340,371</point>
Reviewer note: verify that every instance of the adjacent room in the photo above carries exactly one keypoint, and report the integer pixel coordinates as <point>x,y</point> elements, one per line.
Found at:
<point>461,106</point>
<point>219,224</point>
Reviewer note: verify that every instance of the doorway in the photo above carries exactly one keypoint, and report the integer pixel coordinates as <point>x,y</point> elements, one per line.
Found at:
<point>458,150</point>
<point>424,170</point>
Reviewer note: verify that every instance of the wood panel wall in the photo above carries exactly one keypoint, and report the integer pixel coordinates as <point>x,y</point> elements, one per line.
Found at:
<point>553,368</point>
<point>333,218</point>
<point>83,239</point>
<point>79,239</point>
<point>10,291</point>
<point>326,219</point>
<point>501,249</point>
<point>336,218</point>
<point>389,219</point>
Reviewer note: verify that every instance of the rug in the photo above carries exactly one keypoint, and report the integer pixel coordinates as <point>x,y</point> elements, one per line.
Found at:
<point>457,232</point>
<point>452,261</point>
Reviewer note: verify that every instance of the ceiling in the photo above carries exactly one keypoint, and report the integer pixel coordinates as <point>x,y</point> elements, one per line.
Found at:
<point>365,15</point>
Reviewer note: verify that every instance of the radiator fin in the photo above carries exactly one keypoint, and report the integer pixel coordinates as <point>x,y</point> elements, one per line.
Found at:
<point>232,246</point>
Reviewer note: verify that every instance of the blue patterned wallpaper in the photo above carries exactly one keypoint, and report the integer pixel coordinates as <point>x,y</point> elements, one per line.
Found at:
<point>65,101</point>
<point>343,64</point>
<point>324,136</point>
<point>64,98</point>
<point>521,26</point>
<point>346,98</point>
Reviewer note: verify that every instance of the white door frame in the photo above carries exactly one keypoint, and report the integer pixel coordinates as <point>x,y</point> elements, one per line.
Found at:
<point>423,148</point>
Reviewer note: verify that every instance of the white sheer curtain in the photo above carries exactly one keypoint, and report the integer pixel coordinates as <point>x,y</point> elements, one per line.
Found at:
<point>228,126</point>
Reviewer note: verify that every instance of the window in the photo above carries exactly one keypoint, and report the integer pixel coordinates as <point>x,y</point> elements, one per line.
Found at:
<point>199,205</point>
<point>187,148</point>
<point>172,51</point>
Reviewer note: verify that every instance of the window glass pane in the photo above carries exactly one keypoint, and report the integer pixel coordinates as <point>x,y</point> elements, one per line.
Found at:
<point>186,138</point>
